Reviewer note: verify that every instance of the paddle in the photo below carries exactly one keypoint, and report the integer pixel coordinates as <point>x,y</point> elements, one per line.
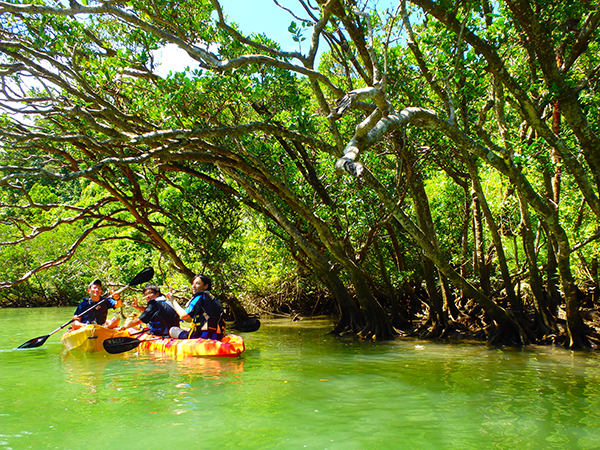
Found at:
<point>124,344</point>
<point>142,277</point>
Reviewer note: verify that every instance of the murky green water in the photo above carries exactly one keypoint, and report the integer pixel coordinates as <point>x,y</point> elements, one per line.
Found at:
<point>294,388</point>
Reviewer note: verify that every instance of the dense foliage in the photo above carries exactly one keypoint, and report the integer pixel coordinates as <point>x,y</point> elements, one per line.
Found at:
<point>438,165</point>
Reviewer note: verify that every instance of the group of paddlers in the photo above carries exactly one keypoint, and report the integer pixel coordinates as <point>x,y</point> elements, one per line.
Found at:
<point>162,314</point>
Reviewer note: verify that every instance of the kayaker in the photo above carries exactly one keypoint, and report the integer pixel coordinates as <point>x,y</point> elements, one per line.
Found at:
<point>203,310</point>
<point>99,313</point>
<point>158,313</point>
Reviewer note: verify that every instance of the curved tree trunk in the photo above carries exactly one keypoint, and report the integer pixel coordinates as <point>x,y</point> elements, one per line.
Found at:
<point>552,277</point>
<point>515,303</point>
<point>377,322</point>
<point>351,316</point>
<point>401,266</point>
<point>450,307</point>
<point>464,267</point>
<point>351,319</point>
<point>575,326</point>
<point>437,320</point>
<point>509,330</point>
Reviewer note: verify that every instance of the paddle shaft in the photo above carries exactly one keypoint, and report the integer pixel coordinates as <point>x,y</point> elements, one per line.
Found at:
<point>36,342</point>
<point>82,314</point>
<point>143,276</point>
<point>90,308</point>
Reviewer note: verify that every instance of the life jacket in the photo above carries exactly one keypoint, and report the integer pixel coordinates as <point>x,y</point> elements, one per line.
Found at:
<point>164,318</point>
<point>96,315</point>
<point>207,318</point>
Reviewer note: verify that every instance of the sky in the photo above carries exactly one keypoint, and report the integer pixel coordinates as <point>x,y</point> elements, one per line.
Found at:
<point>252,16</point>
<point>256,16</point>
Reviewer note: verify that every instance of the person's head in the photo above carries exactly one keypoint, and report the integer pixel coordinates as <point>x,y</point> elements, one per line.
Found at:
<point>201,283</point>
<point>95,289</point>
<point>151,291</point>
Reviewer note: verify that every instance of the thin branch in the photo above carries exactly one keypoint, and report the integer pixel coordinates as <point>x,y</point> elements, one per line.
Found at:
<point>56,261</point>
<point>592,238</point>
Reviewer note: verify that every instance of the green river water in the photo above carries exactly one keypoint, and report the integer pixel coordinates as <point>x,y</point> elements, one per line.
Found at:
<point>295,387</point>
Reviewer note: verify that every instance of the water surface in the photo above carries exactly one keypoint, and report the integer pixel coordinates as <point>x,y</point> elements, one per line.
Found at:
<point>295,387</point>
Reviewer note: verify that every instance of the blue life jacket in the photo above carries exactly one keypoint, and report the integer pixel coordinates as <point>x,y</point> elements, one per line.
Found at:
<point>207,317</point>
<point>96,315</point>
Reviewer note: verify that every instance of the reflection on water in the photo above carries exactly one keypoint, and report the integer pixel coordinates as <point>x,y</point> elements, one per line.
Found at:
<point>194,367</point>
<point>296,387</point>
<point>128,376</point>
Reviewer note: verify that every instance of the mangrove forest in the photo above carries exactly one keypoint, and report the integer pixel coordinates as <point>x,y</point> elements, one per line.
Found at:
<point>423,168</point>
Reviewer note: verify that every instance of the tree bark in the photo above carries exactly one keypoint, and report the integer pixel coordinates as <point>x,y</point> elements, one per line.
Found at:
<point>509,331</point>
<point>438,317</point>
<point>544,320</point>
<point>351,316</point>
<point>516,305</point>
<point>480,253</point>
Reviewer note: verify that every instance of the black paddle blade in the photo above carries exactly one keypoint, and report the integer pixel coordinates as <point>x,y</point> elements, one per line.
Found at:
<point>142,277</point>
<point>120,344</point>
<point>248,325</point>
<point>35,342</point>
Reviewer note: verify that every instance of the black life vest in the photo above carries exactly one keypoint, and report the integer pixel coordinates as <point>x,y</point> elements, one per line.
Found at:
<point>161,316</point>
<point>207,317</point>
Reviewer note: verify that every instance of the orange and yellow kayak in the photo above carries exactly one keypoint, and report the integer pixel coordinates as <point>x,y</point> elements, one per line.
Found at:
<point>231,345</point>
<point>89,338</point>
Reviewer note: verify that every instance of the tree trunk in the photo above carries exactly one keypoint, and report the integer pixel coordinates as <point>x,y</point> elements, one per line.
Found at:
<point>464,267</point>
<point>543,317</point>
<point>401,266</point>
<point>551,263</point>
<point>450,307</point>
<point>439,320</point>
<point>397,320</point>
<point>575,326</point>
<point>351,318</point>
<point>480,256</point>
<point>515,303</point>
<point>509,331</point>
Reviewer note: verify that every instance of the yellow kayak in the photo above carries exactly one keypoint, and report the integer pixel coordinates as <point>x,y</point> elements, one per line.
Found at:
<point>89,339</point>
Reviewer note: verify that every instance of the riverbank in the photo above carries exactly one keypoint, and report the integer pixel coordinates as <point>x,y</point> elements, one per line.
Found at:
<point>472,325</point>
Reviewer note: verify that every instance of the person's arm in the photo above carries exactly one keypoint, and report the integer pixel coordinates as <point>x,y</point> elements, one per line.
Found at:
<point>130,323</point>
<point>147,315</point>
<point>77,315</point>
<point>182,312</point>
<point>77,324</point>
<point>179,309</point>
<point>117,298</point>
<point>136,305</point>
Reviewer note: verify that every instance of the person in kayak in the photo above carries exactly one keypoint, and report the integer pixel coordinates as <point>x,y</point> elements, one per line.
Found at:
<point>203,310</point>
<point>158,313</point>
<point>99,313</point>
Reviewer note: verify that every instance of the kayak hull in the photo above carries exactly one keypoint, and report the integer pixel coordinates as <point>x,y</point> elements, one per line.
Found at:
<point>230,346</point>
<point>89,339</point>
